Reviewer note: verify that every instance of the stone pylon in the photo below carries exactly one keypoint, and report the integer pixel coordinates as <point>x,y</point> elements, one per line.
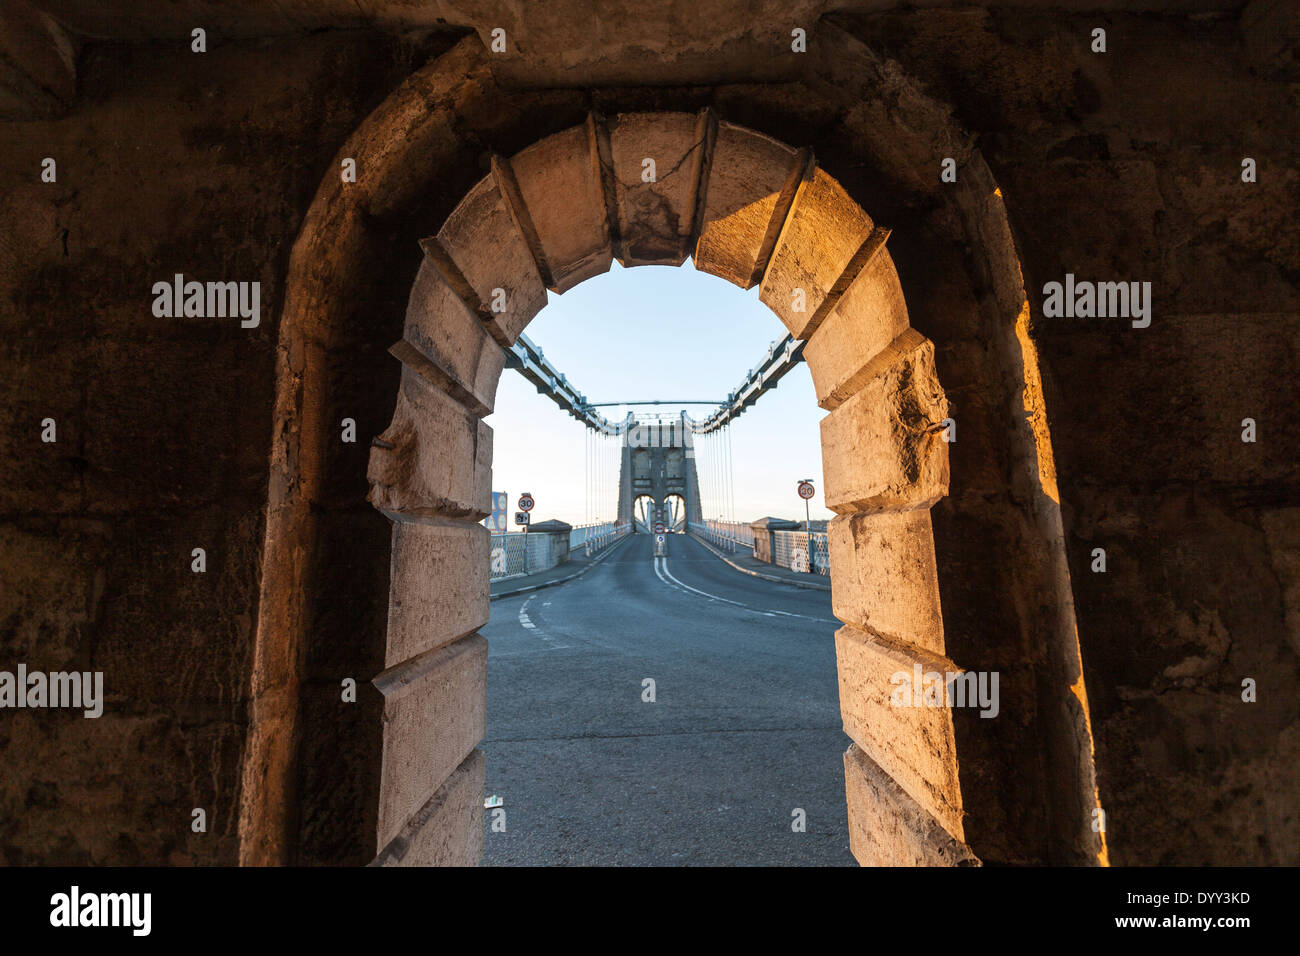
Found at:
<point>658,460</point>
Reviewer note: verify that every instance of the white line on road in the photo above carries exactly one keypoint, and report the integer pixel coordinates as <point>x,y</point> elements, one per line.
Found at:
<point>661,570</point>
<point>527,623</point>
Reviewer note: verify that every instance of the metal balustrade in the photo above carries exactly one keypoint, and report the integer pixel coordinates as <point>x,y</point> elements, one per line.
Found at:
<point>790,550</point>
<point>727,535</point>
<point>515,553</point>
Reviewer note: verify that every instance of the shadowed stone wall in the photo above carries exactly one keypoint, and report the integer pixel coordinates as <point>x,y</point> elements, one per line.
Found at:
<point>1112,167</point>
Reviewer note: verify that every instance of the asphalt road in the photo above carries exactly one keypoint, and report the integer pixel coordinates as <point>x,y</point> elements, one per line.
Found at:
<point>743,731</point>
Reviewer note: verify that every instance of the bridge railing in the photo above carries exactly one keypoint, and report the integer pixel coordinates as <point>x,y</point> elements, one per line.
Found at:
<point>790,550</point>
<point>591,538</point>
<point>510,556</point>
<point>727,535</point>
<point>515,553</point>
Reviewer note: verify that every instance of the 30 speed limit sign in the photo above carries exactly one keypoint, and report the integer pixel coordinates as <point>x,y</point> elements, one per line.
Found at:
<point>526,502</point>
<point>806,490</point>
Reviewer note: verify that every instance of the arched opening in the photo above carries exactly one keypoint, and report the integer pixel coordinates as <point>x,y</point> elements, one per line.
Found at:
<point>675,515</point>
<point>754,211</point>
<point>645,509</point>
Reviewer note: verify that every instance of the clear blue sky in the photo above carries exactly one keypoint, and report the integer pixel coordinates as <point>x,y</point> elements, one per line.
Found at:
<point>656,332</point>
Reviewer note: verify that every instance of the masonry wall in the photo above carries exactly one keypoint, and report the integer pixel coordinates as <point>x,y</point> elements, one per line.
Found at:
<point>1122,166</point>
<point>167,163</point>
<point>1127,166</point>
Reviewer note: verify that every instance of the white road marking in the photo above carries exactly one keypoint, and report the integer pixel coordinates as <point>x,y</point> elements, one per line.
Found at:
<point>661,570</point>
<point>527,623</point>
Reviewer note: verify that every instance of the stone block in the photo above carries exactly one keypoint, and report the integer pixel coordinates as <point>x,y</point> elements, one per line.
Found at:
<point>884,576</point>
<point>448,829</point>
<point>435,713</point>
<point>821,236</point>
<point>746,179</point>
<point>455,351</point>
<point>439,585</point>
<point>655,217</point>
<point>434,459</point>
<point>882,448</point>
<point>887,827</point>
<point>911,742</point>
<point>483,239</point>
<point>867,328</point>
<point>559,183</point>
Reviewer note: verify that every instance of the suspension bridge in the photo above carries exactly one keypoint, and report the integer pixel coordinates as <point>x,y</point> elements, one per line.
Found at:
<point>735,691</point>
<point>655,470</point>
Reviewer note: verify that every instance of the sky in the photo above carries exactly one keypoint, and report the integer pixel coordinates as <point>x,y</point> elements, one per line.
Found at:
<point>657,332</point>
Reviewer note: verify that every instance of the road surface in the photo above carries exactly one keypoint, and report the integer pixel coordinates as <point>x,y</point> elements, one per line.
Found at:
<point>743,732</point>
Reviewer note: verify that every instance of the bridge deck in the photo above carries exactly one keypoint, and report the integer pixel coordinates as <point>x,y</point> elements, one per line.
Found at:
<point>745,727</point>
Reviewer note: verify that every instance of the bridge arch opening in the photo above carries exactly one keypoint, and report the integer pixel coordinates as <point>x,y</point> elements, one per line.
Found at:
<point>751,209</point>
<point>675,516</point>
<point>645,511</point>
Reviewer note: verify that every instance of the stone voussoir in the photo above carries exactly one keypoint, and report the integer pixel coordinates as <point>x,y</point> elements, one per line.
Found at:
<point>435,713</point>
<point>887,827</point>
<point>885,577</point>
<point>746,178</point>
<point>882,449</point>
<point>912,742</point>
<point>484,240</point>
<point>655,204</point>
<point>867,329</point>
<point>559,182</point>
<point>435,457</point>
<point>457,353</point>
<point>823,234</point>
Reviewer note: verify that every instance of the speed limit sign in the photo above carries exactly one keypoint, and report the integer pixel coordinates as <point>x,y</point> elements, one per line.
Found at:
<point>526,502</point>
<point>806,490</point>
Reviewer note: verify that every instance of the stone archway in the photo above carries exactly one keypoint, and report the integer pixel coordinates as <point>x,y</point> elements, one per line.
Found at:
<point>940,800</point>
<point>753,211</point>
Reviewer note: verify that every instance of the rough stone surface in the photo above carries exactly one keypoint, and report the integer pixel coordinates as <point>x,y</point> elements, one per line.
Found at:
<point>435,708</point>
<point>439,587</point>
<point>884,578</point>
<point>560,182</point>
<point>913,744</point>
<point>485,242</point>
<point>447,831</point>
<point>821,235</point>
<point>435,458</point>
<point>746,178</point>
<point>655,216</point>
<point>848,348</point>
<point>444,330</point>
<point>887,827</point>
<point>882,448</point>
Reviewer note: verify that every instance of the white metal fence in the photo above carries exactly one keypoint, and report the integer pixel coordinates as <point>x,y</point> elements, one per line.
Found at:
<point>592,537</point>
<point>790,550</point>
<point>515,553</point>
<point>727,535</point>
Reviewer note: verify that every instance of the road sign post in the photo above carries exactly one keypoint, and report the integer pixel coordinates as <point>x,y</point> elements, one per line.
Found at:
<point>526,504</point>
<point>806,491</point>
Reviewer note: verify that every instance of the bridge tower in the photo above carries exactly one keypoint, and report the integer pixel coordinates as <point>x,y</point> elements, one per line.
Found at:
<point>658,460</point>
